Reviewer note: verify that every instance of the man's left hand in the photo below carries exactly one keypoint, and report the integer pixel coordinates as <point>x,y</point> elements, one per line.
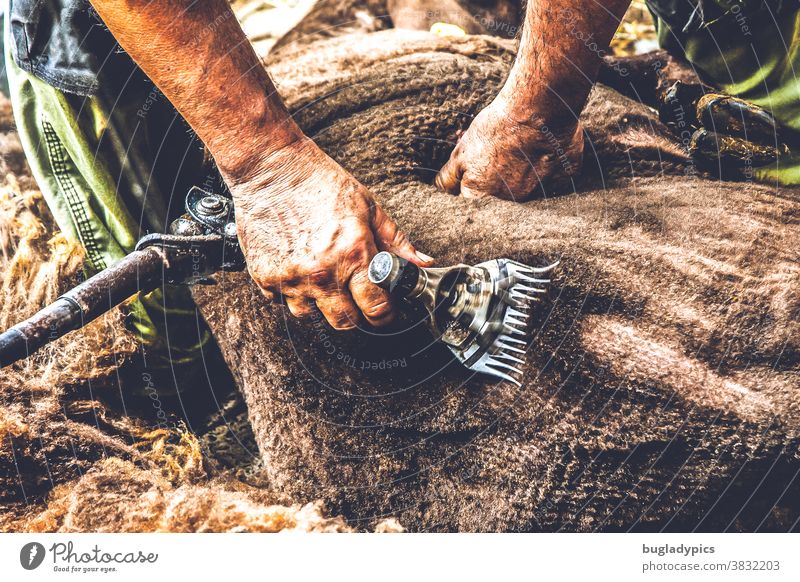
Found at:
<point>500,156</point>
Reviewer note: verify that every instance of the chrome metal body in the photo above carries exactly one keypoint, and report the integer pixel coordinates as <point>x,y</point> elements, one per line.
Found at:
<point>481,312</point>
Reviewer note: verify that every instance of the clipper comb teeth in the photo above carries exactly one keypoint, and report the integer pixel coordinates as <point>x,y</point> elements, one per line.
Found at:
<point>516,288</point>
<point>482,313</point>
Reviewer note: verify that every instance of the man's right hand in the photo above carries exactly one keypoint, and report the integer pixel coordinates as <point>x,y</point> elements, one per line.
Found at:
<point>309,230</point>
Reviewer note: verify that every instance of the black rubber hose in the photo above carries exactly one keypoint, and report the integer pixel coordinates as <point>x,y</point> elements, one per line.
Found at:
<point>141,271</point>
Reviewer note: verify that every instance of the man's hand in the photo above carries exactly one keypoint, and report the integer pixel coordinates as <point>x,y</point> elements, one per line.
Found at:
<point>307,227</point>
<point>499,156</point>
<point>529,137</point>
<point>309,230</point>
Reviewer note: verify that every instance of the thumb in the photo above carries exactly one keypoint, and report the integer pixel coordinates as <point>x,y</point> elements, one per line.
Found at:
<point>389,237</point>
<point>449,177</point>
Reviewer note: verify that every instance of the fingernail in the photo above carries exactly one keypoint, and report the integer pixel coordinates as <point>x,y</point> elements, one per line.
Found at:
<point>423,257</point>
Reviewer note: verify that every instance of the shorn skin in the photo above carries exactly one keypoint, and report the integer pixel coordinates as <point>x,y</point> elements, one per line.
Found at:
<point>662,385</point>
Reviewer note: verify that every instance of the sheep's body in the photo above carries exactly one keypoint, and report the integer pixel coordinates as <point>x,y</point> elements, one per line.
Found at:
<point>662,386</point>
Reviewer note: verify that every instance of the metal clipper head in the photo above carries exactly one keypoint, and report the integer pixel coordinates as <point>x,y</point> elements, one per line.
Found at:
<point>480,312</point>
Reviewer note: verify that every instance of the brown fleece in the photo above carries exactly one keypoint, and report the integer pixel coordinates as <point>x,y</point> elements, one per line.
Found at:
<point>662,385</point>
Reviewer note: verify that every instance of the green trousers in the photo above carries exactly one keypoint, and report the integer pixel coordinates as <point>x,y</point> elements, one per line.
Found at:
<point>112,169</point>
<point>749,49</point>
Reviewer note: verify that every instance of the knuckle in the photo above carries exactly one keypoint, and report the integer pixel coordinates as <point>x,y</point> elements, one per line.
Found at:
<point>341,320</point>
<point>356,253</point>
<point>379,310</point>
<point>321,277</point>
<point>271,276</point>
<point>340,312</point>
<point>399,238</point>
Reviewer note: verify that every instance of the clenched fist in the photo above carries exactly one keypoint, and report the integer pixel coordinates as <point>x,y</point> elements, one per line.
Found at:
<point>309,230</point>
<point>507,158</point>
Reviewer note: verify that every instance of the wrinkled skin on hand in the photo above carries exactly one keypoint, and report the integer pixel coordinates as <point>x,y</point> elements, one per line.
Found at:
<point>511,159</point>
<point>309,230</point>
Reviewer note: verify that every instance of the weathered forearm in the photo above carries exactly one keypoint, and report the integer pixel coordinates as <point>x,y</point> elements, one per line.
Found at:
<point>559,57</point>
<point>198,56</point>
